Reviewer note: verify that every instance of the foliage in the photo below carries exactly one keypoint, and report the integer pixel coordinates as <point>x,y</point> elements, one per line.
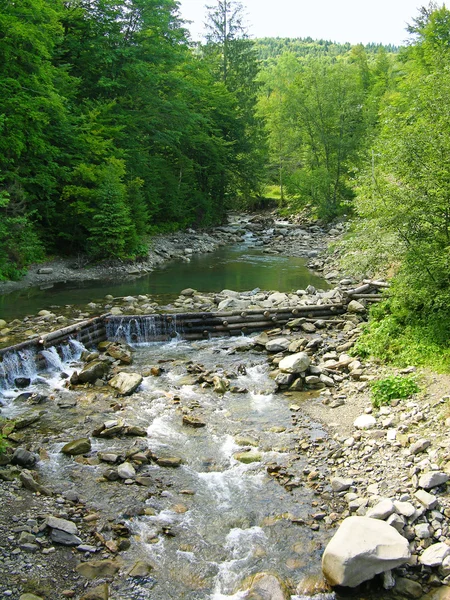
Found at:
<point>113,125</point>
<point>395,335</point>
<point>402,199</point>
<point>391,388</point>
<point>272,48</point>
<point>316,123</point>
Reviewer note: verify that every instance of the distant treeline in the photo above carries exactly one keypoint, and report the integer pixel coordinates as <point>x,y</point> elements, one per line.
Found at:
<point>271,48</point>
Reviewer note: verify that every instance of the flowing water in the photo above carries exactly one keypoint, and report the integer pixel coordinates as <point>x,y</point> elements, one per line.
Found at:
<point>227,520</point>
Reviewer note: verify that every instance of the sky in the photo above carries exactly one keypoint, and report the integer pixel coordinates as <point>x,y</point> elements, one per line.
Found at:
<point>354,21</point>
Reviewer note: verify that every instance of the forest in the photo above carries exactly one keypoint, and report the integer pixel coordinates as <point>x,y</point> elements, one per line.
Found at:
<point>115,126</point>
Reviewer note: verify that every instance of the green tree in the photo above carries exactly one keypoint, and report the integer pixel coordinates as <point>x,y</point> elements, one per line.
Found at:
<point>403,195</point>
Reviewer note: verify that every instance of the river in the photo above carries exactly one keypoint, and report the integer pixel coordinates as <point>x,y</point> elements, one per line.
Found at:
<point>240,267</point>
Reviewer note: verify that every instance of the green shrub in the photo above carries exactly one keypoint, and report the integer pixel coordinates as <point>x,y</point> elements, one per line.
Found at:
<point>391,388</point>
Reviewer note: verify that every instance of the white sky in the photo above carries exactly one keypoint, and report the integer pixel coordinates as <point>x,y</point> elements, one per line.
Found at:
<point>354,21</point>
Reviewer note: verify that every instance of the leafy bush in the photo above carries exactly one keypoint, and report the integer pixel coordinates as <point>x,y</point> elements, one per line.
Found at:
<point>402,337</point>
<point>392,387</point>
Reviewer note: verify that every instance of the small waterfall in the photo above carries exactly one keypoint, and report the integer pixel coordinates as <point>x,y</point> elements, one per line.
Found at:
<point>27,362</point>
<point>72,350</point>
<point>53,360</point>
<point>21,363</point>
<point>143,330</point>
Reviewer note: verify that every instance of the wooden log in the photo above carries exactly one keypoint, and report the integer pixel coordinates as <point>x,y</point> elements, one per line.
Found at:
<point>358,290</point>
<point>369,297</point>
<point>377,284</point>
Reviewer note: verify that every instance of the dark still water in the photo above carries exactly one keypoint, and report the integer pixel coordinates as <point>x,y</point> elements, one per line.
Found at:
<point>239,268</point>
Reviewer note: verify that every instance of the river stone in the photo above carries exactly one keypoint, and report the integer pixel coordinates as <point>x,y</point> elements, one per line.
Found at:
<point>278,345</point>
<point>382,510</point>
<point>3,324</point>
<point>30,597</point>
<point>92,371</point>
<point>169,462</point>
<point>121,354</point>
<point>64,538</point>
<point>362,548</point>
<point>101,592</point>
<point>265,586</point>
<point>126,383</point>
<point>406,509</point>
<point>278,298</point>
<point>193,421</point>
<point>140,569</point>
<point>408,588</point>
<point>355,307</point>
<point>126,471</point>
<point>29,483</point>
<point>62,524</point>
<point>427,481</point>
<point>23,458</point>
<point>221,384</point>
<point>419,446</point>
<point>434,555</point>
<point>295,363</point>
<point>76,447</point>
<point>248,457</point>
<point>365,422</point>
<point>98,568</point>
<point>340,484</point>
<point>427,500</point>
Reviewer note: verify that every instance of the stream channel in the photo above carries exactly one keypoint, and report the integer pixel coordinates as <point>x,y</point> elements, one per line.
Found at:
<point>215,521</point>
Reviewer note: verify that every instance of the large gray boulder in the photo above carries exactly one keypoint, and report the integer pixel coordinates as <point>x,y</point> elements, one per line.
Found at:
<point>126,383</point>
<point>295,363</point>
<point>362,548</point>
<point>92,371</point>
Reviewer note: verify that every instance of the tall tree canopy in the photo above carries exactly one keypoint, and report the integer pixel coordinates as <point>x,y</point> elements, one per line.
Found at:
<point>107,114</point>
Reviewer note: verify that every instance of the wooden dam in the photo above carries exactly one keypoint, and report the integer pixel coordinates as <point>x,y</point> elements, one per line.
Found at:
<point>160,327</point>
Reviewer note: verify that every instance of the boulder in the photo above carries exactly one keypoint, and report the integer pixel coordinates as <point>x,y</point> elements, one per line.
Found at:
<point>340,484</point>
<point>62,524</point>
<point>427,481</point>
<point>29,483</point>
<point>98,568</point>
<point>126,471</point>
<point>295,363</point>
<point>278,345</point>
<point>355,307</point>
<point>365,422</point>
<point>248,457</point>
<point>382,510</point>
<point>362,548</point>
<point>23,458</point>
<point>169,462</point>
<point>76,447</point>
<point>126,383</point>
<point>101,592</point>
<point>434,555</point>
<point>92,371</point>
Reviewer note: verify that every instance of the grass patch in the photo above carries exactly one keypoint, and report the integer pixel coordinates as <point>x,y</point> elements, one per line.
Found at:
<point>391,388</point>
